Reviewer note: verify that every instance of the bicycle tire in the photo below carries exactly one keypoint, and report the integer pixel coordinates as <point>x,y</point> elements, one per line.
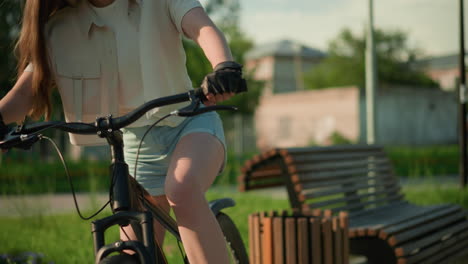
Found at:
<point>124,258</point>
<point>233,238</point>
<point>120,259</point>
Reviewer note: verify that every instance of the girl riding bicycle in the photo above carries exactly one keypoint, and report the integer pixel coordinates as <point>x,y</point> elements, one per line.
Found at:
<point>110,56</point>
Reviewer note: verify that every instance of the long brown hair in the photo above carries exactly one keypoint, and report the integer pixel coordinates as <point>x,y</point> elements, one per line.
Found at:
<point>31,48</point>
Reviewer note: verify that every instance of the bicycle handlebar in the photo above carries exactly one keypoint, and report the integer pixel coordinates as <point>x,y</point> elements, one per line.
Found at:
<point>24,135</point>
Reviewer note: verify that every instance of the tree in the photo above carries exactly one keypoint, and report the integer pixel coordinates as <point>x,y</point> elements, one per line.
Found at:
<point>345,64</point>
<point>225,13</point>
<point>10,16</point>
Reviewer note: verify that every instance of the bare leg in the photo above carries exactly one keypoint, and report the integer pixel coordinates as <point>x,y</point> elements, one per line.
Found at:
<point>195,163</point>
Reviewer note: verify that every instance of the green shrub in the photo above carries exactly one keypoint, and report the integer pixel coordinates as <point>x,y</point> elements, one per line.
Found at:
<point>21,175</point>
<point>436,193</point>
<point>424,161</point>
<point>337,138</point>
<point>30,176</point>
<point>33,176</point>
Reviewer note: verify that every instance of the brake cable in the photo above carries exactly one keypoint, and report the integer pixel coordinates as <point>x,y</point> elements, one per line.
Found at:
<point>71,182</point>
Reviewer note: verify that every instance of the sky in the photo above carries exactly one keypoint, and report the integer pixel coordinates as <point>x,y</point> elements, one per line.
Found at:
<point>431,25</point>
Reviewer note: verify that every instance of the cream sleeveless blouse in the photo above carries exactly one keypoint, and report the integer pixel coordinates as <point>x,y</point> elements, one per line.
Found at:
<point>113,59</point>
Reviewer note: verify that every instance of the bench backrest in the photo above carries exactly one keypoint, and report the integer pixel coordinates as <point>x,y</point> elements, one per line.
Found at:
<point>342,178</point>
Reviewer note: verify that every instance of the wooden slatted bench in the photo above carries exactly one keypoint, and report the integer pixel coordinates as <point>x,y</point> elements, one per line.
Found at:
<point>359,179</point>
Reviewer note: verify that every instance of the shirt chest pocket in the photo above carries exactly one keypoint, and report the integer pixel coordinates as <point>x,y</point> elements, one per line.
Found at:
<point>80,88</point>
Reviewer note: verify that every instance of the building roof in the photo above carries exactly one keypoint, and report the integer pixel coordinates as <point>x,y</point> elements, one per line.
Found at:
<point>284,48</point>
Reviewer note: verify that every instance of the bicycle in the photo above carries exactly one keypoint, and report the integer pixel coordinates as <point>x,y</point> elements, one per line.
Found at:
<point>135,209</point>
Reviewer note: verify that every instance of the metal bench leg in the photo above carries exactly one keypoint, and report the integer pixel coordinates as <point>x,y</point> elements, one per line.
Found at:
<point>375,250</point>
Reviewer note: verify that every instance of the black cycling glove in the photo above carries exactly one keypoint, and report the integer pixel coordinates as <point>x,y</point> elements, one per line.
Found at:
<point>226,78</point>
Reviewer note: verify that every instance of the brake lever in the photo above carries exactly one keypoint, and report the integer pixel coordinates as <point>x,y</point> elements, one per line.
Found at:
<point>22,141</point>
<point>207,109</point>
<point>28,140</point>
<point>196,97</point>
<point>192,107</point>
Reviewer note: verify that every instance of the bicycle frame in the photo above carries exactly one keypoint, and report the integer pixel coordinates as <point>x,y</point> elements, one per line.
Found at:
<point>122,206</point>
<point>123,215</point>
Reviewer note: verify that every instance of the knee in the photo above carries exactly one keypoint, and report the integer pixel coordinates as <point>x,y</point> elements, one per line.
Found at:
<point>182,193</point>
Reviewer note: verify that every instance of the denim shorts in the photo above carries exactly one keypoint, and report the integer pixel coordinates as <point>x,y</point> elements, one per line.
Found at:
<point>159,144</point>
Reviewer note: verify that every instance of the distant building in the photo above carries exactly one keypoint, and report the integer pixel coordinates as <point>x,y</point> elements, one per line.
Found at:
<point>405,116</point>
<point>289,116</point>
<point>306,118</point>
<point>282,65</point>
<point>442,69</point>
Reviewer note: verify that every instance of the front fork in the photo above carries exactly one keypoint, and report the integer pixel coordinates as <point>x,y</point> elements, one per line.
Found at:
<point>145,250</point>
<point>143,221</point>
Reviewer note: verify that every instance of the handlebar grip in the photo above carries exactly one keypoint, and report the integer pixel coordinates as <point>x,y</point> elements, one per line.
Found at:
<point>199,93</point>
<point>6,145</point>
<point>242,87</point>
<point>24,142</point>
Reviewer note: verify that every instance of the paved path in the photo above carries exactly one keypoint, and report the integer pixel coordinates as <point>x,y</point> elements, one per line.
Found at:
<point>46,204</point>
<point>28,205</point>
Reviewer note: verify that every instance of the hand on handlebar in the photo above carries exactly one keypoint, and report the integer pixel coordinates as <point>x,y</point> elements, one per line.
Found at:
<point>225,81</point>
<point>16,140</point>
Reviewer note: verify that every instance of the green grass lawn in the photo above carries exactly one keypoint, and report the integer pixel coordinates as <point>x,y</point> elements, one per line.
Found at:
<point>427,194</point>
<point>67,239</point>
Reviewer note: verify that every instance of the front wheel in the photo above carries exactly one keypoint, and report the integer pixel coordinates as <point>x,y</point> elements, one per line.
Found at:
<point>120,259</point>
<point>124,258</point>
<point>236,248</point>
